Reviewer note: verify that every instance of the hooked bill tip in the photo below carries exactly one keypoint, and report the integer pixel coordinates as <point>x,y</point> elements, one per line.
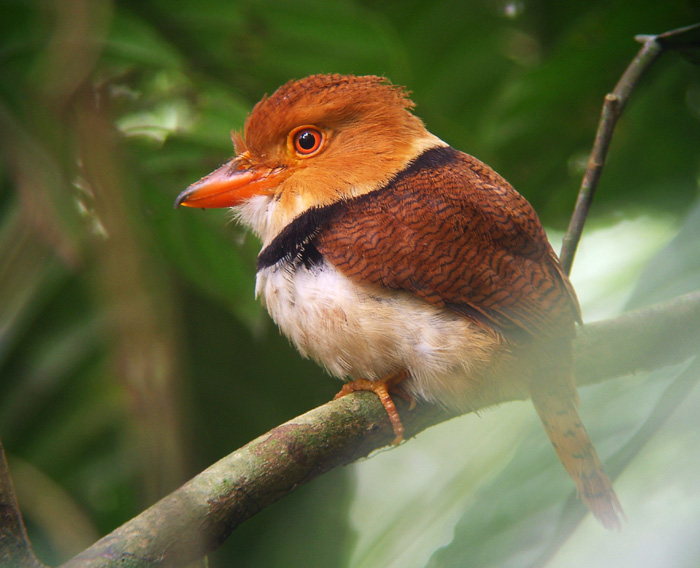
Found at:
<point>183,196</point>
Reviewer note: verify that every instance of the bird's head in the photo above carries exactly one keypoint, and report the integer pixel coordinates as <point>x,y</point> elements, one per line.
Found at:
<point>313,142</point>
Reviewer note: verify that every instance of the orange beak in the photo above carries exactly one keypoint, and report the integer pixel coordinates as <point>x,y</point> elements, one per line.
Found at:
<point>231,185</point>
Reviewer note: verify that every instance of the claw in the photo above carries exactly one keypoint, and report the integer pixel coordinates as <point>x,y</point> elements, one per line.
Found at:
<point>381,388</point>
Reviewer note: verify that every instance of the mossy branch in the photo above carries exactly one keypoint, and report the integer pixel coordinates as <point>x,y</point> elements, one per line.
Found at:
<point>195,519</point>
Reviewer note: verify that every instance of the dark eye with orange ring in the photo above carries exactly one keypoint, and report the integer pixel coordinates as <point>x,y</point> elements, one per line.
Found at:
<point>307,140</point>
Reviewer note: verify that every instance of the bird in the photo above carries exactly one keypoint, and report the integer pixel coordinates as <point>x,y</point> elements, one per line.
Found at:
<point>402,265</point>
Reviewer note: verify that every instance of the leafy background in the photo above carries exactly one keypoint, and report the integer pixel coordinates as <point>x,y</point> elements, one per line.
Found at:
<point>132,351</point>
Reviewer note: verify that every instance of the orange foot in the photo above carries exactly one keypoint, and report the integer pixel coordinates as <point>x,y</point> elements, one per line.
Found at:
<point>381,388</point>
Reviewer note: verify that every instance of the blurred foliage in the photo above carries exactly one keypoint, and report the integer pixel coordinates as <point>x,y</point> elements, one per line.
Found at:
<point>133,353</point>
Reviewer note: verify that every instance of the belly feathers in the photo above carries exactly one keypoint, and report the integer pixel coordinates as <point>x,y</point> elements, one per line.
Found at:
<point>357,331</point>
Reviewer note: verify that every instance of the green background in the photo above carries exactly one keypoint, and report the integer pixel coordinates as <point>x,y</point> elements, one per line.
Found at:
<point>133,353</point>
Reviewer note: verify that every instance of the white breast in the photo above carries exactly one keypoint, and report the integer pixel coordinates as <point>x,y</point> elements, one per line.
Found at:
<point>365,332</point>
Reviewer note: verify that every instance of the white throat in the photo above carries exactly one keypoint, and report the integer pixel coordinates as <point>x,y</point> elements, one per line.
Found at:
<point>266,217</point>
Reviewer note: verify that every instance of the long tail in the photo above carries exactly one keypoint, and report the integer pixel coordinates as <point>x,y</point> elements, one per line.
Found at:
<point>577,454</point>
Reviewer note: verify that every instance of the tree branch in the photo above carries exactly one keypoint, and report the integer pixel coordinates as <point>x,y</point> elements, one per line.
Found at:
<point>684,40</point>
<point>15,549</point>
<point>199,516</point>
<point>612,109</point>
<point>641,340</point>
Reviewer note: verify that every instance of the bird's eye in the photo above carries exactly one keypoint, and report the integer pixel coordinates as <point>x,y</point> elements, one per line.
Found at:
<point>306,140</point>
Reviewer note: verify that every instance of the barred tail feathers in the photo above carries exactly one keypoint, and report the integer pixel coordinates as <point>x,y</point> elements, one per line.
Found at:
<point>578,456</point>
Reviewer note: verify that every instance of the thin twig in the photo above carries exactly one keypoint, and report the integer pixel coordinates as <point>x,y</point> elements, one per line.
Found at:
<point>612,109</point>
<point>198,517</point>
<point>15,549</point>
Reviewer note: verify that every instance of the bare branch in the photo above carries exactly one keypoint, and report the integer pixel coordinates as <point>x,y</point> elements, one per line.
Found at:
<point>612,109</point>
<point>198,517</point>
<point>641,340</point>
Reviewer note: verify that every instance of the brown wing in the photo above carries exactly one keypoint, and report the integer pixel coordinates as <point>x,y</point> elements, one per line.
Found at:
<point>452,231</point>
